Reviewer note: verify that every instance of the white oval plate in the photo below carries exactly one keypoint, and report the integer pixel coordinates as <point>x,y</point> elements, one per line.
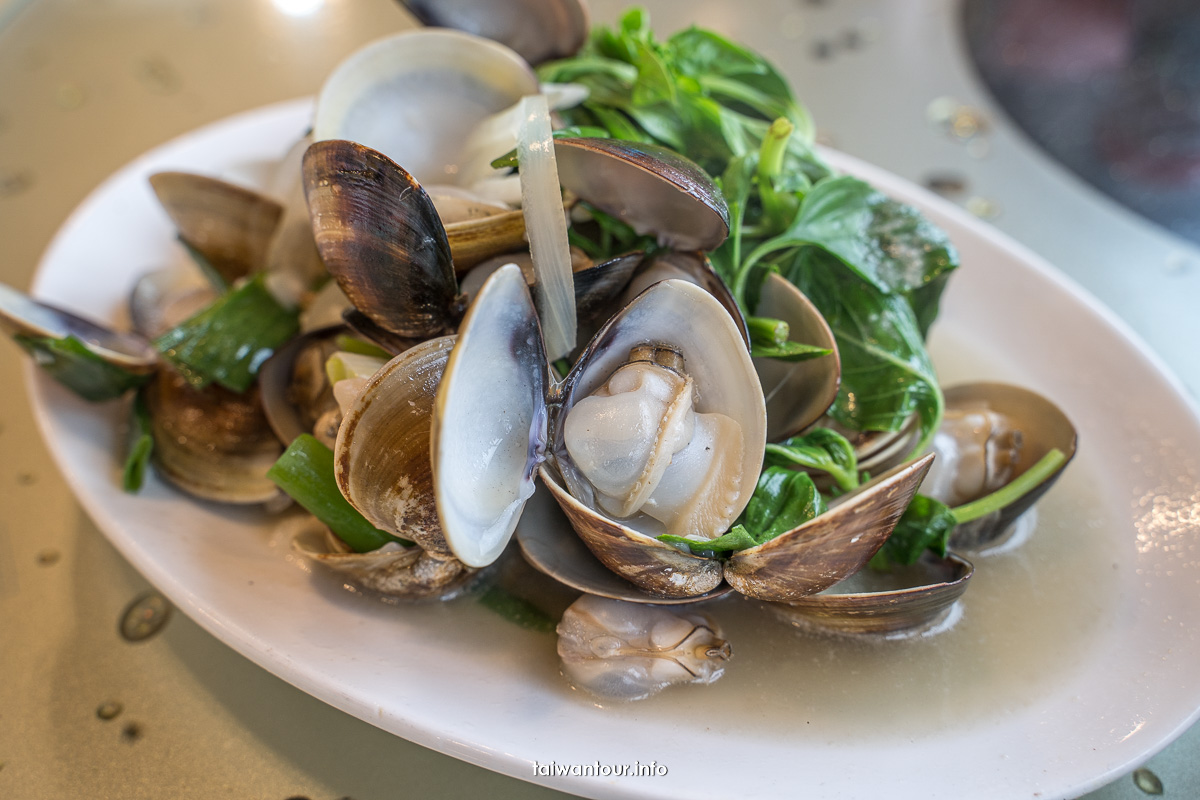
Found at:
<point>1074,658</point>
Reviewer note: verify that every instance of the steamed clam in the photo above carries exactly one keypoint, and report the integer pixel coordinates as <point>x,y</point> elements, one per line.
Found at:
<point>996,436</point>
<point>628,651</point>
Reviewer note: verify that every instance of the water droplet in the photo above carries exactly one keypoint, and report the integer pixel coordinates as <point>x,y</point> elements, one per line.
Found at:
<point>144,617</point>
<point>983,208</point>
<point>946,184</point>
<point>1147,781</point>
<point>48,557</point>
<point>940,110</point>
<point>13,183</point>
<point>109,710</point>
<point>131,732</point>
<point>159,76</point>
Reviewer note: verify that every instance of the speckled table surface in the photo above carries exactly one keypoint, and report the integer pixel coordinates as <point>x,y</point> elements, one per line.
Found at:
<point>85,87</point>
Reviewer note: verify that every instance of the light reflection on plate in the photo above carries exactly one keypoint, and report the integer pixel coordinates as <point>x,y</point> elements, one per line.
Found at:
<point>455,679</point>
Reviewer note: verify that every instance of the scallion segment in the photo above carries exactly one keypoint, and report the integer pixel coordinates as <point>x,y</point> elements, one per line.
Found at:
<point>141,446</point>
<point>305,472</point>
<point>227,342</point>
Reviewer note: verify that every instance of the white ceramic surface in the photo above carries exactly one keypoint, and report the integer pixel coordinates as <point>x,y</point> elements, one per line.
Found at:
<point>457,680</point>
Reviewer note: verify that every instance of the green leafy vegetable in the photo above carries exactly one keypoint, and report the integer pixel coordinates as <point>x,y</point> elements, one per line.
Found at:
<point>697,93</point>
<point>887,374</point>
<point>141,446</point>
<point>822,449</point>
<point>69,362</point>
<point>227,342</point>
<point>925,525</point>
<point>737,538</point>
<point>730,110</point>
<point>305,472</point>
<point>782,500</point>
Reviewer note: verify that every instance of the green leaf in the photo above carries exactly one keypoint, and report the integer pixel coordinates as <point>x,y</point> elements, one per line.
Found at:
<point>71,363</point>
<point>738,538</point>
<point>821,449</point>
<point>782,500</point>
<point>925,525</point>
<point>227,342</point>
<point>141,446</point>
<point>887,374</point>
<point>887,244</point>
<point>305,472</point>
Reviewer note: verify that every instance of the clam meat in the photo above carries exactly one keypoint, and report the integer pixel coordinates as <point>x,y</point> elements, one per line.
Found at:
<point>629,651</point>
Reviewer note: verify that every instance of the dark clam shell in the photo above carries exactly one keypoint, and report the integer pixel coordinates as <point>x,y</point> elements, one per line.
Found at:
<point>539,31</point>
<point>381,238</point>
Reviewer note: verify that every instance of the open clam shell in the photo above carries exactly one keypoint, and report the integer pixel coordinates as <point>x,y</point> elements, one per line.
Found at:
<point>211,442</point>
<point>688,320</point>
<point>382,460</point>
<point>232,227</point>
<point>906,600</point>
<point>797,393</point>
<point>295,390</point>
<point>829,547</point>
<point>1033,426</point>
<point>381,238</point>
<point>416,97</point>
<point>21,315</point>
<point>490,420</point>
<point>539,30</point>
<point>656,568</point>
<point>693,267</point>
<point>395,571</point>
<point>548,544</point>
<point>655,190</point>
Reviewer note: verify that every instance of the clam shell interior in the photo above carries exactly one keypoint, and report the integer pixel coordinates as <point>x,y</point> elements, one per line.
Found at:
<point>797,393</point>
<point>417,96</point>
<point>490,422</point>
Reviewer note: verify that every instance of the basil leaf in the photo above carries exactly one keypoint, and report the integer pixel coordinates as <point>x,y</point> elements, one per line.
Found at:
<point>887,374</point>
<point>822,449</point>
<point>887,244</point>
<point>227,342</point>
<point>738,538</point>
<point>925,525</point>
<point>782,500</point>
<point>71,363</point>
